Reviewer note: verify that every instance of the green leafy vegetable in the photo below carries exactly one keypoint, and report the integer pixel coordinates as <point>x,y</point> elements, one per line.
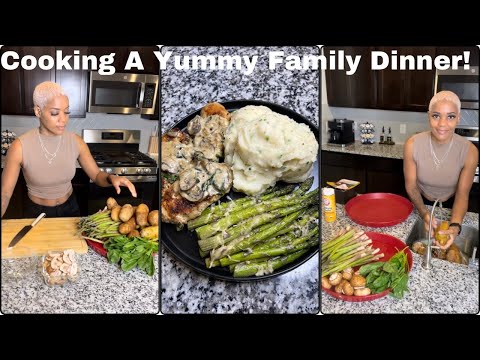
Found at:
<point>390,274</point>
<point>131,253</point>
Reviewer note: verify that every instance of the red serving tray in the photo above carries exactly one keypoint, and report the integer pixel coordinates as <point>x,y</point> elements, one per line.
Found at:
<point>97,247</point>
<point>389,246</point>
<point>378,209</point>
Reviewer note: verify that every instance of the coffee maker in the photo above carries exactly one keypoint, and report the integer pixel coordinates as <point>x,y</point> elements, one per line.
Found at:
<point>341,131</point>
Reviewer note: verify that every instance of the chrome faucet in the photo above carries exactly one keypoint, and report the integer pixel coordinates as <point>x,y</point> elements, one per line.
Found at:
<point>427,258</point>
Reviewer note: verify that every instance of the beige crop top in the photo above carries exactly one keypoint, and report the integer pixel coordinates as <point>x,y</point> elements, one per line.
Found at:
<point>49,180</point>
<point>439,183</point>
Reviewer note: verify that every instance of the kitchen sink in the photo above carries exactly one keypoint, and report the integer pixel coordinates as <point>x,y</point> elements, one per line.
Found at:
<point>466,241</point>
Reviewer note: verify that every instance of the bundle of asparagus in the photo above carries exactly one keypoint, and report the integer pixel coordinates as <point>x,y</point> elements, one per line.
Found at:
<point>255,236</point>
<point>349,248</point>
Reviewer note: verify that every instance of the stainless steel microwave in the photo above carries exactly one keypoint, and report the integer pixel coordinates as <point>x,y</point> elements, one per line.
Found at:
<point>462,82</point>
<point>123,93</point>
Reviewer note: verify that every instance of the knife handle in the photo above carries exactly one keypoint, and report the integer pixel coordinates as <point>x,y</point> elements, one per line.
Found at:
<point>40,217</point>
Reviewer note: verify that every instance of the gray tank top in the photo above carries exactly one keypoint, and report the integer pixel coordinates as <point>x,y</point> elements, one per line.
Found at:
<point>438,183</point>
<point>49,180</point>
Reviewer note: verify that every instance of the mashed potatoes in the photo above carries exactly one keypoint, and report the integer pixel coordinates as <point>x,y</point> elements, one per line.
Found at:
<point>263,147</point>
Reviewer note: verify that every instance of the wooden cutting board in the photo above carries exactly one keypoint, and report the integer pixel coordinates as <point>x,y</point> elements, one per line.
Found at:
<point>48,234</point>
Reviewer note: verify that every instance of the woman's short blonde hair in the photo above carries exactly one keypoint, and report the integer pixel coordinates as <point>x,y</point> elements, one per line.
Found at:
<point>46,91</point>
<point>445,95</point>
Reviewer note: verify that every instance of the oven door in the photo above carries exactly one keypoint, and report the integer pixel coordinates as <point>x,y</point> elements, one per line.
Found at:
<point>97,195</point>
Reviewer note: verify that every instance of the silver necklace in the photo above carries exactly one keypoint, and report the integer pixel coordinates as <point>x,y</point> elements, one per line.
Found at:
<point>438,162</point>
<point>49,156</point>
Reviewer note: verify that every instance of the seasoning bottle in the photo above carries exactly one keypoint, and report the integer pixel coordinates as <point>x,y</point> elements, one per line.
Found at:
<point>389,136</point>
<point>382,136</point>
<point>329,204</point>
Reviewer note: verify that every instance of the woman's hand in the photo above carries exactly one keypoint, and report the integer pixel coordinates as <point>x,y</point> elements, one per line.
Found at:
<point>452,234</point>
<point>118,181</point>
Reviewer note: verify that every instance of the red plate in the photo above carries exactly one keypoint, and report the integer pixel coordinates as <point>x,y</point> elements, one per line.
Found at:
<point>389,246</point>
<point>378,209</point>
<point>97,247</point>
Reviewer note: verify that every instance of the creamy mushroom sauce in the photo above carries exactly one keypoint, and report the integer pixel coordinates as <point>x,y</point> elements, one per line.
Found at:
<point>209,134</point>
<point>176,156</point>
<point>205,179</point>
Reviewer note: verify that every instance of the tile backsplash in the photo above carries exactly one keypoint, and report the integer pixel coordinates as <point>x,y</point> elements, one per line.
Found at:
<point>21,124</point>
<point>414,121</point>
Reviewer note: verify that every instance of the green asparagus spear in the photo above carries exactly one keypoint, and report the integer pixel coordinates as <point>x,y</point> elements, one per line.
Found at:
<point>267,267</point>
<point>216,212</point>
<point>234,218</point>
<point>303,242</point>
<point>248,225</point>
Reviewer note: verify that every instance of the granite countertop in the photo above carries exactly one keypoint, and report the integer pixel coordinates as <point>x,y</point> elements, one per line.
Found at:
<point>447,288</point>
<point>183,289</point>
<point>380,150</point>
<point>101,288</point>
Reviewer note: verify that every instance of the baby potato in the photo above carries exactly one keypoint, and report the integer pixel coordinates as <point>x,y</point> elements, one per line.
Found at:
<point>150,232</point>
<point>142,208</point>
<point>115,213</point>
<point>133,233</point>
<point>126,213</point>
<point>325,283</point>
<point>347,288</point>
<point>111,203</point>
<point>125,228</point>
<point>153,217</point>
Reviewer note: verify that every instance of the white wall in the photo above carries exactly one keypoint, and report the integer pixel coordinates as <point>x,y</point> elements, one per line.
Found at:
<point>21,124</point>
<point>414,121</point>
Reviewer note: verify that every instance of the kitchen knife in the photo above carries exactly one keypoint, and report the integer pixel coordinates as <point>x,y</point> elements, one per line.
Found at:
<point>25,230</point>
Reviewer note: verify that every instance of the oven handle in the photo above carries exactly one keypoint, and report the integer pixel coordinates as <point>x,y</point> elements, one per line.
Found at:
<point>139,178</point>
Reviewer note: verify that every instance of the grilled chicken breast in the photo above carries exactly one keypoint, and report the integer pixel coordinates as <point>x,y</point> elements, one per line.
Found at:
<point>192,178</point>
<point>178,210</point>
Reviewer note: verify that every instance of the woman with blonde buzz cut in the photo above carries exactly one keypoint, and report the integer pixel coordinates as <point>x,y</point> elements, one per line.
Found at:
<point>47,156</point>
<point>440,164</point>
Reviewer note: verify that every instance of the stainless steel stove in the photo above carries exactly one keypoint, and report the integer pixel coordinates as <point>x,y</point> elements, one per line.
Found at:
<point>470,133</point>
<point>117,152</point>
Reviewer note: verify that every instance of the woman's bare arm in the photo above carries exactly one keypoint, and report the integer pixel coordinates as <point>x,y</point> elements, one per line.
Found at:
<point>101,178</point>
<point>410,173</point>
<point>465,182</point>
<point>11,170</point>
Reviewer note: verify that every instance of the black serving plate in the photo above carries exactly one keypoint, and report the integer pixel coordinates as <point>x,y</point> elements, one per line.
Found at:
<point>183,244</point>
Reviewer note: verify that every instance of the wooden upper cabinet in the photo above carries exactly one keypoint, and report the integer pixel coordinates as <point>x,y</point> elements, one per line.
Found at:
<point>75,83</point>
<point>12,88</point>
<point>457,50</point>
<point>120,57</point>
<point>407,90</point>
<point>18,85</point>
<point>356,90</point>
<point>32,78</point>
<point>149,60</point>
<point>387,89</point>
<point>122,53</point>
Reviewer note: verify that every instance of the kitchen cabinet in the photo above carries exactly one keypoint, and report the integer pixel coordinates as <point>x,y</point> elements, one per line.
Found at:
<point>356,90</point>
<point>149,60</point>
<point>80,185</point>
<point>405,90</point>
<point>17,201</point>
<point>375,174</point>
<point>18,85</point>
<point>450,51</point>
